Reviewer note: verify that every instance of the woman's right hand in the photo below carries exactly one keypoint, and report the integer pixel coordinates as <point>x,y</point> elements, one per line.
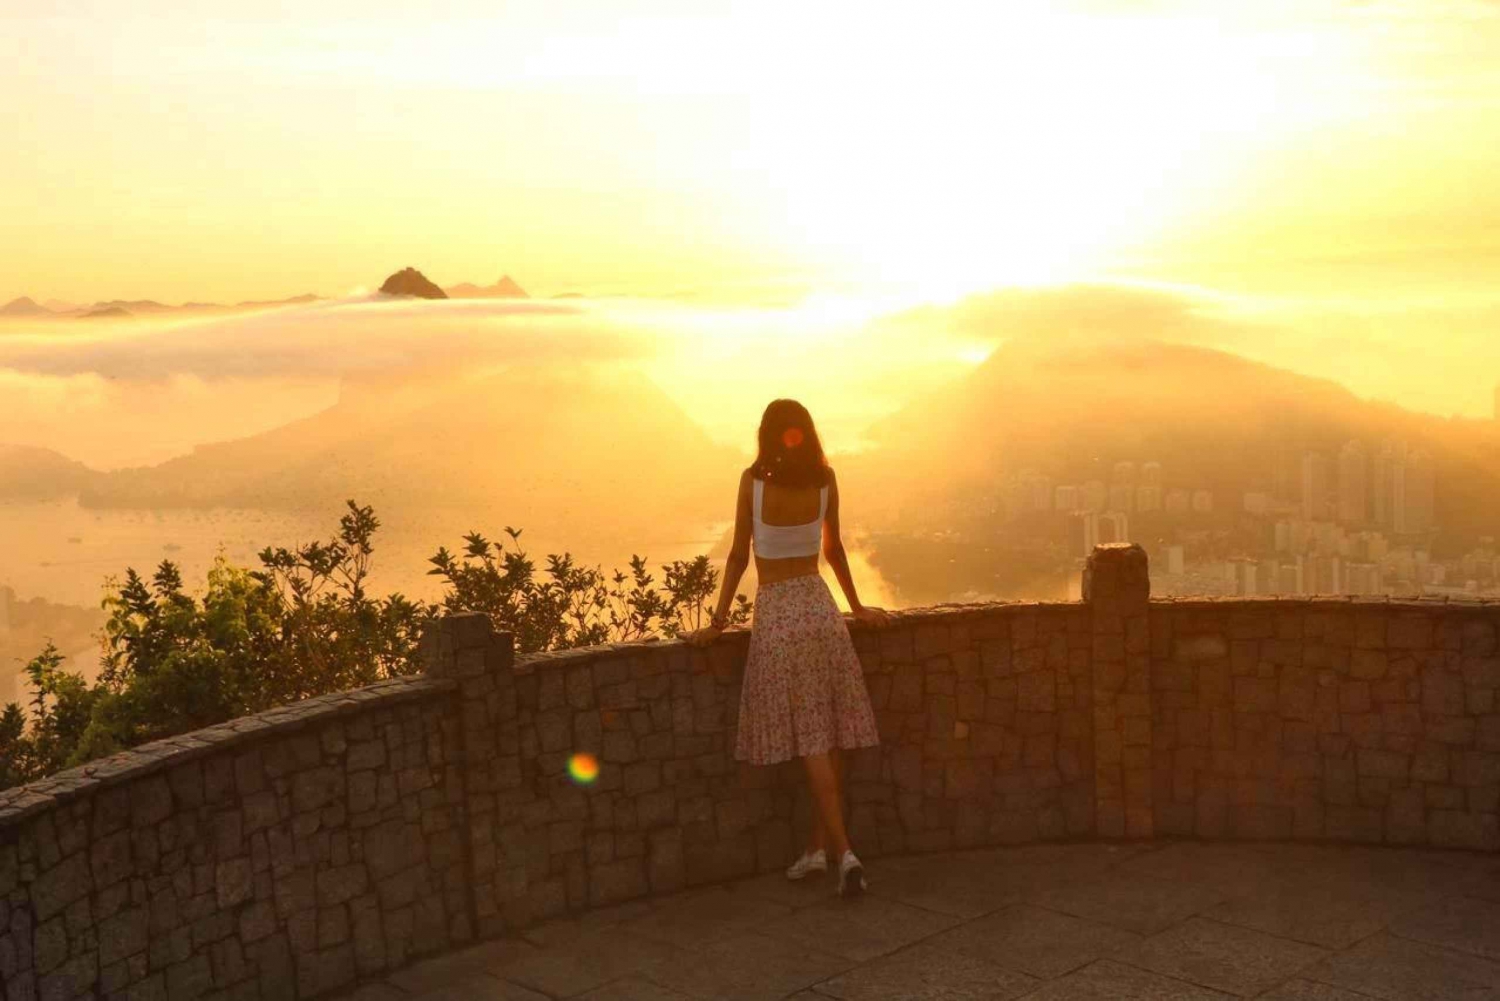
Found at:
<point>704,636</point>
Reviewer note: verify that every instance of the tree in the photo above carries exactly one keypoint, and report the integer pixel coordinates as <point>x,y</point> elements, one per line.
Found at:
<point>304,624</point>
<point>567,605</point>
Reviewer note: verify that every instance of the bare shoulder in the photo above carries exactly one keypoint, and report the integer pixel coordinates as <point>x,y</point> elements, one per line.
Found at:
<point>833,481</point>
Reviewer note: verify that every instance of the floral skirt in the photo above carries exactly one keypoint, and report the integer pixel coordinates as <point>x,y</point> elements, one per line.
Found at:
<point>804,691</point>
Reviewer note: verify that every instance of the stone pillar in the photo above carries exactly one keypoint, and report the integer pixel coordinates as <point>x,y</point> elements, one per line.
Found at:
<point>1117,589</point>
<point>466,649</point>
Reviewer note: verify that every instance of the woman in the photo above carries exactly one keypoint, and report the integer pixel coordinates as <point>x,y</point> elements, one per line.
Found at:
<point>804,693</point>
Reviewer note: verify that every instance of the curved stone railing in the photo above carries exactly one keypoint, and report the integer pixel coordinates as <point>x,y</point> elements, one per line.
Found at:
<point>296,852</point>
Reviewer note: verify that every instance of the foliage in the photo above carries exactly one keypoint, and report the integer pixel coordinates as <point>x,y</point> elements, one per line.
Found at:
<point>304,624</point>
<point>567,605</point>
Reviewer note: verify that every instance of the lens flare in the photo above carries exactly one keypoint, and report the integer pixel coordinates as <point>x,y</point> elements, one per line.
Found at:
<point>584,768</point>
<point>791,437</point>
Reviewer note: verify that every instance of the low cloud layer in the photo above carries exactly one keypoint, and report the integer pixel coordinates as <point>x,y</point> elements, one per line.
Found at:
<point>113,394</point>
<point>325,340</point>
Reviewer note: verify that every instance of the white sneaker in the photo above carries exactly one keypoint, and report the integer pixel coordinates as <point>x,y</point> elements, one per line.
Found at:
<point>851,876</point>
<point>809,863</point>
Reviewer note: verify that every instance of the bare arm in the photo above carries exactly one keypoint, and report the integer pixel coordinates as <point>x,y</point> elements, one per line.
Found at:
<point>833,547</point>
<point>739,551</point>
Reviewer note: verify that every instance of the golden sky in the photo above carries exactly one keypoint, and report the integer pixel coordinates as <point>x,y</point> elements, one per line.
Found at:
<point>218,151</point>
<point>1315,184</point>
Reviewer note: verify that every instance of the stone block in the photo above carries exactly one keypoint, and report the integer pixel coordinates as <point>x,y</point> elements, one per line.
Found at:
<point>1409,632</point>
<point>1456,829</point>
<point>1383,764</point>
<point>1354,697</point>
<point>1368,665</point>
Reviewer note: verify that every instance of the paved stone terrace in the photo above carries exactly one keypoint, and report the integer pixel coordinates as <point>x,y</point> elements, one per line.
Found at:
<point>1184,921</point>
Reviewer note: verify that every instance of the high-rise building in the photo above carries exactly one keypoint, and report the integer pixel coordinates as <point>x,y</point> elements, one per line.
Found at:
<point>1175,564</point>
<point>1314,486</point>
<point>1034,491</point>
<point>1178,501</point>
<point>1382,476</point>
<point>1083,533</point>
<point>1203,501</point>
<point>1246,576</point>
<point>1095,496</point>
<point>1114,526</point>
<point>1353,487</point>
<point>1124,472</point>
<point>1289,578</point>
<point>1121,497</point>
<point>1147,498</point>
<point>1150,474</point>
<point>1362,578</point>
<point>1066,499</point>
<point>1413,494</point>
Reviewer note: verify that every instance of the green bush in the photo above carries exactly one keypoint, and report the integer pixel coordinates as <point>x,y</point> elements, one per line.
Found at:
<point>305,624</point>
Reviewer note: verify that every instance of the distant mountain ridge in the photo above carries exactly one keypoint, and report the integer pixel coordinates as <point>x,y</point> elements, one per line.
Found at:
<point>24,306</point>
<point>1211,418</point>
<point>505,288</point>
<point>124,308</point>
<point>29,473</point>
<point>609,442</point>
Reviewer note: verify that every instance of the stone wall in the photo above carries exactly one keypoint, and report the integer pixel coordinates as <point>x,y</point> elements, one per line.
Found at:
<point>1345,720</point>
<point>296,852</point>
<point>291,851</point>
<point>983,712</point>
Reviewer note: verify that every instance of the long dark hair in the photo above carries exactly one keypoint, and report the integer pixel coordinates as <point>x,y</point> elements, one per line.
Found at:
<point>790,453</point>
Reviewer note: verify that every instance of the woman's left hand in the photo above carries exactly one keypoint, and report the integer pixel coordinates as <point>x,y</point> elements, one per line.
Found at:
<point>704,636</point>
<point>871,616</point>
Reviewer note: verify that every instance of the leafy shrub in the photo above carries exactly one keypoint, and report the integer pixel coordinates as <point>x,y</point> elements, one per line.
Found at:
<point>304,624</point>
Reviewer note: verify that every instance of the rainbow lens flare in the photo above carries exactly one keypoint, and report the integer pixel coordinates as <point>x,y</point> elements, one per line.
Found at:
<point>584,768</point>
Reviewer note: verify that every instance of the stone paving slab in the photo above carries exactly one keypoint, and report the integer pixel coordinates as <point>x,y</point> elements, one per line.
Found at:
<point>1461,923</point>
<point>1308,990</point>
<point>1111,981</point>
<point>861,929</point>
<point>750,967</point>
<point>1141,904</point>
<point>1168,921</point>
<point>1317,913</point>
<point>590,963</point>
<point>928,972</point>
<point>1038,942</point>
<point>1228,958</point>
<point>1384,966</point>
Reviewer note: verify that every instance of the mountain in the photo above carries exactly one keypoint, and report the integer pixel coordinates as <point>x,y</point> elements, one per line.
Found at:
<point>28,473</point>
<point>24,307</point>
<point>578,454</point>
<point>59,306</point>
<point>505,288</point>
<point>296,300</point>
<point>410,281</point>
<point>1211,418</point>
<point>132,306</point>
<point>107,313</point>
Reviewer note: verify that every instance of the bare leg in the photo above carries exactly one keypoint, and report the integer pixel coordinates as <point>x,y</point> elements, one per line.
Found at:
<point>828,811</point>
<point>819,839</point>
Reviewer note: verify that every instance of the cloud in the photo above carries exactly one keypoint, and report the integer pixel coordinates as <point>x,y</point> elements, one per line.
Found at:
<point>326,340</point>
<point>1084,313</point>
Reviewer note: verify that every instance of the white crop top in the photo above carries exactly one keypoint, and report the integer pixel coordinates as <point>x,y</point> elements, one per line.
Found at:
<point>780,542</point>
